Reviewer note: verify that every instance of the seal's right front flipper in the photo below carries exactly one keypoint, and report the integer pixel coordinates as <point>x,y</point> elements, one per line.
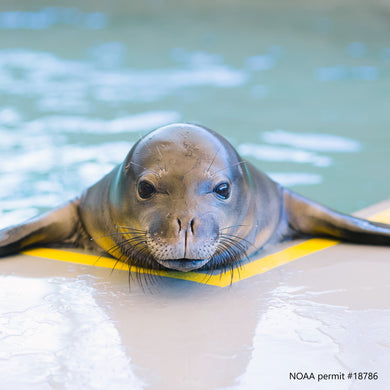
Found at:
<point>55,226</point>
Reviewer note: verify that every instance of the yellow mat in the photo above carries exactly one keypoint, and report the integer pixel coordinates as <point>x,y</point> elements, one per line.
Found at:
<point>254,267</point>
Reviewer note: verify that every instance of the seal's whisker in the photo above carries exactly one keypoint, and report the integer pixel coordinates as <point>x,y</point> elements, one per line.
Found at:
<point>154,158</point>
<point>232,226</point>
<point>137,257</point>
<point>186,173</point>
<point>140,166</point>
<point>144,265</point>
<point>162,158</point>
<point>238,242</point>
<point>233,237</point>
<point>229,166</point>
<point>109,235</point>
<point>115,248</point>
<point>212,161</point>
<point>128,228</point>
<point>229,255</point>
<point>136,243</point>
<point>232,249</point>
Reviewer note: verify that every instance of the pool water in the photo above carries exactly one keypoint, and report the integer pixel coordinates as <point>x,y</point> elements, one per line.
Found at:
<point>301,88</point>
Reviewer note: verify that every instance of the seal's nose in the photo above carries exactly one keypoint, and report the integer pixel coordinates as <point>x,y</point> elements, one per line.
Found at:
<point>189,229</point>
<point>184,238</point>
<point>187,233</point>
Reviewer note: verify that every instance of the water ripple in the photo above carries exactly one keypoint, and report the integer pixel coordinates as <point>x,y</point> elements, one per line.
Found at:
<point>70,85</point>
<point>283,154</point>
<point>312,141</point>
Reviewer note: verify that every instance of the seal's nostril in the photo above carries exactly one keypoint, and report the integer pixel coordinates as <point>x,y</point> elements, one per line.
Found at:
<point>179,223</point>
<point>192,225</point>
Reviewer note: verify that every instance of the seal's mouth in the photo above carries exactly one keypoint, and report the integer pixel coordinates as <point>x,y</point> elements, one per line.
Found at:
<point>184,264</point>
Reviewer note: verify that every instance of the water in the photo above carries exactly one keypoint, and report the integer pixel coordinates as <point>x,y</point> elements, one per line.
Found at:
<point>302,94</point>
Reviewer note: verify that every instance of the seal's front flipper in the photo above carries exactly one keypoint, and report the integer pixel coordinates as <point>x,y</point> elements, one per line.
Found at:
<point>308,217</point>
<point>56,226</point>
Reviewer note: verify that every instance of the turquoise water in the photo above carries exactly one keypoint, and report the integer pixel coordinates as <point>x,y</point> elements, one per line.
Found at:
<point>301,88</point>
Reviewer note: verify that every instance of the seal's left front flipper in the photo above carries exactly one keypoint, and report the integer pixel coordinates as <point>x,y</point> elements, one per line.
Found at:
<point>56,226</point>
<point>308,217</point>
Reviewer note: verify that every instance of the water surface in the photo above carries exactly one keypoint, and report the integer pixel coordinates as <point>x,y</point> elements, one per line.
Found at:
<point>303,95</point>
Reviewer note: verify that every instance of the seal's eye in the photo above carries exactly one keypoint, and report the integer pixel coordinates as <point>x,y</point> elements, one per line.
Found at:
<point>146,189</point>
<point>222,190</point>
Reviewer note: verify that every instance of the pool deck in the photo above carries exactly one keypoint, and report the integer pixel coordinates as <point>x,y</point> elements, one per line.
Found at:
<point>315,307</point>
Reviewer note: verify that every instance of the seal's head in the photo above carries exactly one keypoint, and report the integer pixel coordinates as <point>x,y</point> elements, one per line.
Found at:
<point>180,198</point>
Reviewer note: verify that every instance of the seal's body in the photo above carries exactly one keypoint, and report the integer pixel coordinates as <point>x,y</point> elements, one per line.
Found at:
<point>184,199</point>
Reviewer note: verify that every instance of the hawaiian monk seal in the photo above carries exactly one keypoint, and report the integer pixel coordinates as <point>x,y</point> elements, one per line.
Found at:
<point>184,199</point>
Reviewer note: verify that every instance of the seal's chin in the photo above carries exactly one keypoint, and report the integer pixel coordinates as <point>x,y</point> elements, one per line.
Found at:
<point>183,265</point>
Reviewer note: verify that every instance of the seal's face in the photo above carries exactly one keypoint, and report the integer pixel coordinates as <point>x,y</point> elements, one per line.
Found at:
<point>181,188</point>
